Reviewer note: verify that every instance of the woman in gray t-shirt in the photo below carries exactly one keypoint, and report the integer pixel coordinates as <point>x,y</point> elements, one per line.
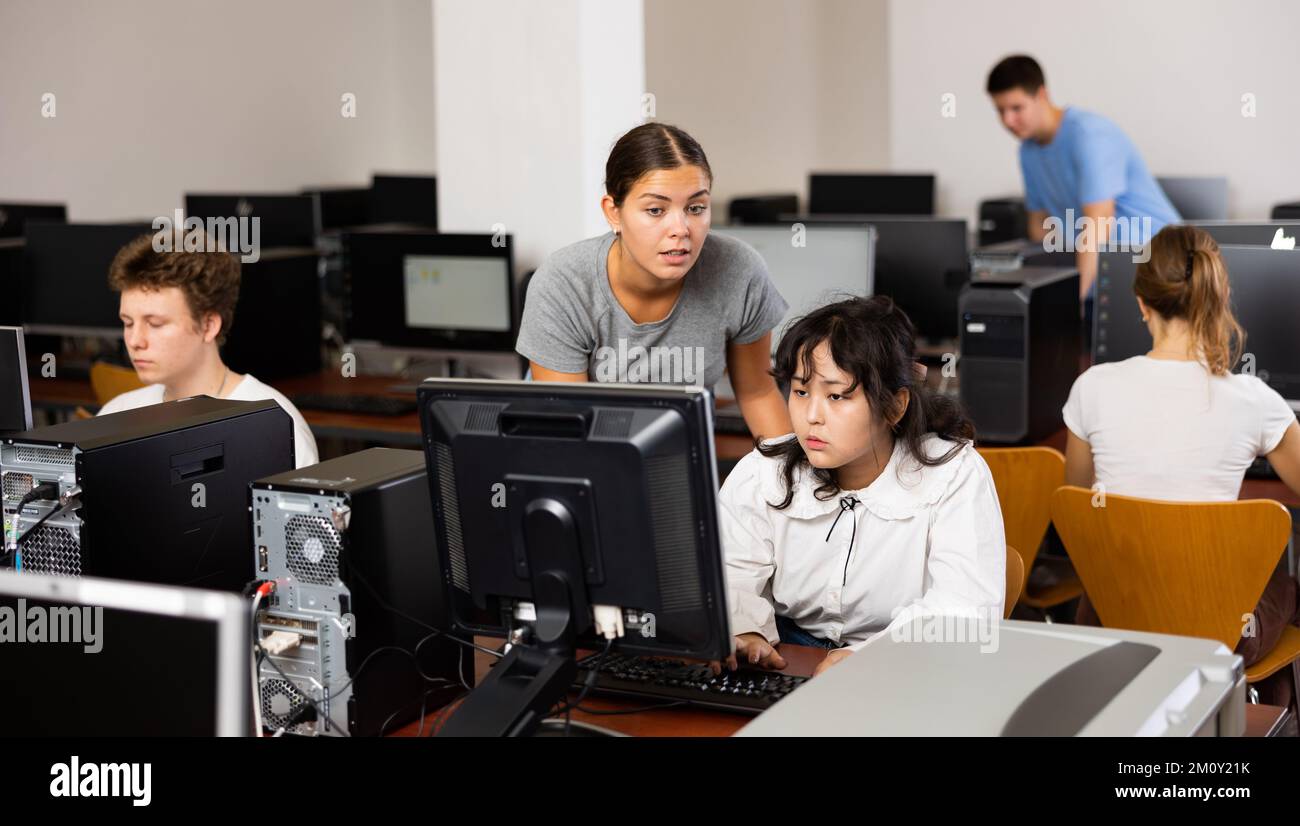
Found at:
<point>658,299</point>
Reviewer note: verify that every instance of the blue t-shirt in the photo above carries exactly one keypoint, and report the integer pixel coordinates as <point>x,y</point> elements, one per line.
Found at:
<point>1090,159</point>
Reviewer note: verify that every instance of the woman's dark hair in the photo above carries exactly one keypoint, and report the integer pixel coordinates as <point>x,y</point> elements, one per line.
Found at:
<point>874,341</point>
<point>646,148</point>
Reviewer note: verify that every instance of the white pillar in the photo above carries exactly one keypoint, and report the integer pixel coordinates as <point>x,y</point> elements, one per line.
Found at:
<point>529,97</point>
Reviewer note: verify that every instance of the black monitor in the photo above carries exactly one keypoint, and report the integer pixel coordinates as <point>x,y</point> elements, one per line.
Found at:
<point>554,503</point>
<point>1248,233</point>
<point>65,277</point>
<point>433,291</point>
<point>921,263</point>
<point>1265,286</point>
<point>761,209</point>
<point>880,194</point>
<point>15,217</point>
<point>277,328</point>
<point>404,199</point>
<point>341,206</point>
<point>122,659</point>
<point>15,395</point>
<point>284,219</point>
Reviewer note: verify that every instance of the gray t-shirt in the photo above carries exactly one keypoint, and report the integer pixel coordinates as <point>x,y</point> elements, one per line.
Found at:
<point>573,323</point>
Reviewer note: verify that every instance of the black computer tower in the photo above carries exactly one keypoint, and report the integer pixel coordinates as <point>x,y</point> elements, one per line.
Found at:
<point>350,544</point>
<point>1002,219</point>
<point>277,327</point>
<point>164,490</point>
<point>1020,345</point>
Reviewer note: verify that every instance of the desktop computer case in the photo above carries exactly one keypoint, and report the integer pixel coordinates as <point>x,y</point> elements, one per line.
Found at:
<point>141,517</point>
<point>344,540</point>
<point>1020,345</point>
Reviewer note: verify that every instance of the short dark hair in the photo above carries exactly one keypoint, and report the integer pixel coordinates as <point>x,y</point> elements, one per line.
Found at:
<point>1019,71</point>
<point>208,280</point>
<point>646,148</point>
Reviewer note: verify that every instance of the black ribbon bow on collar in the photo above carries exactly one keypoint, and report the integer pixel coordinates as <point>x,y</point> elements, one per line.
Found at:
<point>847,503</point>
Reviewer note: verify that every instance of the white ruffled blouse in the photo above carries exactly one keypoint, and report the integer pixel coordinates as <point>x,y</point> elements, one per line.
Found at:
<point>917,541</point>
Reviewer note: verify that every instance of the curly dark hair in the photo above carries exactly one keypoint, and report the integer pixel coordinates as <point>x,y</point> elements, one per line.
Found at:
<point>209,280</point>
<point>874,341</point>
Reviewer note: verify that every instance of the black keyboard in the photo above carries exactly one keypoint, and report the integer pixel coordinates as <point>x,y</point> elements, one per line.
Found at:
<point>367,405</point>
<point>747,690</point>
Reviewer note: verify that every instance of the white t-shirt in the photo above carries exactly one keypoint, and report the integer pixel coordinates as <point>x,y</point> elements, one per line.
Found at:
<point>1163,429</point>
<point>248,390</point>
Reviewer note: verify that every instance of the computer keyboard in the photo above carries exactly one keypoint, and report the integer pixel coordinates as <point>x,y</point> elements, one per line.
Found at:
<point>366,405</point>
<point>747,690</point>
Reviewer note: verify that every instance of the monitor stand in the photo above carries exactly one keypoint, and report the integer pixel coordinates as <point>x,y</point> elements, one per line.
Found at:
<point>522,688</point>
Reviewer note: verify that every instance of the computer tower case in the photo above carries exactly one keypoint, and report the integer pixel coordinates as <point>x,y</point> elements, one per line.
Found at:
<point>350,545</point>
<point>1020,342</point>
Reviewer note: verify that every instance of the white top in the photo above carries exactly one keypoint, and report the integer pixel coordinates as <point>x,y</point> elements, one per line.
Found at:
<point>1170,430</point>
<point>248,390</point>
<point>929,541</point>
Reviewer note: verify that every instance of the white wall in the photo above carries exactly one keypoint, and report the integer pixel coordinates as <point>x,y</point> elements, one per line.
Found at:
<point>157,97</point>
<point>531,97</point>
<point>1171,73</point>
<point>772,89</point>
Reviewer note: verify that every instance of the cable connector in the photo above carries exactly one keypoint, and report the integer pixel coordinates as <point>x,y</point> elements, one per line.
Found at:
<point>278,642</point>
<point>609,620</point>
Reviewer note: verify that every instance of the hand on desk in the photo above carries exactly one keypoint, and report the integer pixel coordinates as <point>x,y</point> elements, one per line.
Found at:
<point>752,650</point>
<point>832,658</point>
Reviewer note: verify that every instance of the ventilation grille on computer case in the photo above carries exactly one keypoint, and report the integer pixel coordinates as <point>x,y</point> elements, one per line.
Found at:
<point>612,424</point>
<point>312,549</point>
<point>17,485</point>
<point>482,418</point>
<point>281,703</point>
<point>29,455</point>
<point>52,550</point>
<point>673,523</point>
<point>451,516</point>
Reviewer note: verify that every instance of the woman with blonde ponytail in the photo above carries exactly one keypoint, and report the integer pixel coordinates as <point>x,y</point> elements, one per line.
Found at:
<point>1177,424</point>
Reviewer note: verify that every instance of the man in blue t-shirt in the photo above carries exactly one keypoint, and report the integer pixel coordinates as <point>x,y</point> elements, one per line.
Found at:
<point>1076,164</point>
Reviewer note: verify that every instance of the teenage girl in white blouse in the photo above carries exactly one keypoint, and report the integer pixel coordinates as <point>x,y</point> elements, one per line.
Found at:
<point>875,511</point>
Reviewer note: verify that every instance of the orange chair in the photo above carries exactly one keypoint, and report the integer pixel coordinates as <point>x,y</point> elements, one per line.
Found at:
<point>1025,478</point>
<point>1015,580</point>
<point>108,381</point>
<point>1190,568</point>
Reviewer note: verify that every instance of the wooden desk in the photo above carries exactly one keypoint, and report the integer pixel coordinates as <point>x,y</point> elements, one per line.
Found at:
<point>1265,721</point>
<point>678,721</point>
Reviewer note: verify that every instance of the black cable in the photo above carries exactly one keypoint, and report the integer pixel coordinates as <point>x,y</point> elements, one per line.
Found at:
<point>592,674</point>
<point>257,641</point>
<point>18,544</point>
<point>319,714</point>
<point>384,604</point>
